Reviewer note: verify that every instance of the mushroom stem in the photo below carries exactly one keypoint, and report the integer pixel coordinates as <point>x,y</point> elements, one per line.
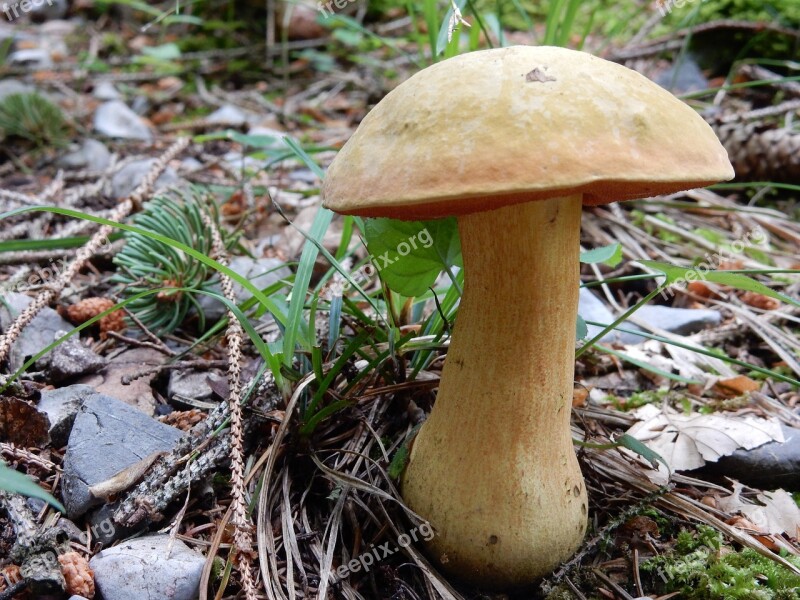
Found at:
<point>493,468</point>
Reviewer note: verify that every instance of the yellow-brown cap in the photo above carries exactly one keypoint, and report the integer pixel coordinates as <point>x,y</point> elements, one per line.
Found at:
<point>504,126</point>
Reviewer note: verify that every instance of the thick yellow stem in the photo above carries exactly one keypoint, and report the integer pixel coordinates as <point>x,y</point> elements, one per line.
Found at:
<point>493,468</point>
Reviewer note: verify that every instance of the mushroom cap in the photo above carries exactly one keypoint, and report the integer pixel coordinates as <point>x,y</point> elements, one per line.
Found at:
<point>498,127</point>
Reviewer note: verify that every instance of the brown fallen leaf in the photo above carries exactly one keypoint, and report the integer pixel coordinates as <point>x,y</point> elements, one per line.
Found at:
<point>22,425</point>
<point>761,301</point>
<point>741,384</point>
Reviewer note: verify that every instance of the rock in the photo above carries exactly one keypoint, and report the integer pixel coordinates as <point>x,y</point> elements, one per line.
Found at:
<point>14,86</point>
<point>193,387</point>
<point>114,119</point>
<point>77,598</point>
<point>91,154</point>
<point>130,176</point>
<point>107,436</point>
<point>267,131</point>
<point>104,529</point>
<point>72,359</point>
<point>49,10</point>
<point>304,175</point>
<point>682,321</point>
<point>149,567</point>
<point>191,164</point>
<point>262,272</point>
<point>138,392</point>
<point>34,58</point>
<point>229,114</point>
<point>140,105</point>
<point>105,90</point>
<point>768,467</point>
<point>591,308</point>
<point>39,333</point>
<point>61,407</point>
<point>683,78</point>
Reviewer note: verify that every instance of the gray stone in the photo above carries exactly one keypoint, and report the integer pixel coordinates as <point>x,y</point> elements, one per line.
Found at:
<point>147,567</point>
<point>105,90</point>
<point>77,598</point>
<point>228,114</point>
<point>72,359</point>
<point>61,406</point>
<point>39,333</point>
<point>768,467</point>
<point>261,272</point>
<point>140,105</point>
<point>191,164</point>
<point>36,58</point>
<point>130,176</point>
<point>49,10</point>
<point>591,308</point>
<point>192,386</point>
<point>114,119</point>
<point>107,437</point>
<point>14,86</point>
<point>682,321</point>
<point>683,78</point>
<point>90,154</point>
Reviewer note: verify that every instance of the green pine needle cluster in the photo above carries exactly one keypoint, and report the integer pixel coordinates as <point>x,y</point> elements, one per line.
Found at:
<point>174,277</point>
<point>34,118</point>
<point>701,568</point>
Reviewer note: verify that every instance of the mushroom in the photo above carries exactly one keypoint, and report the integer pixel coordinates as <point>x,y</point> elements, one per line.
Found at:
<point>513,142</point>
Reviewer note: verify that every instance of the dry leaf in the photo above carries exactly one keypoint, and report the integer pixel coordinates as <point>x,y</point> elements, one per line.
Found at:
<point>687,442</point>
<point>739,384</point>
<point>779,514</point>
<point>760,301</point>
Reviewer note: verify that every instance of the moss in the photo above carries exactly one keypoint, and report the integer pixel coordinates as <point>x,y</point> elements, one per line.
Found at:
<point>700,567</point>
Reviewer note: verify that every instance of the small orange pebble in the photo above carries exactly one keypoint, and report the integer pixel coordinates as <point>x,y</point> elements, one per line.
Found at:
<point>761,301</point>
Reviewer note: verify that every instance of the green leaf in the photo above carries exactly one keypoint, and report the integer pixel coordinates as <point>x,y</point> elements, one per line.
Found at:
<point>634,445</point>
<point>610,255</point>
<point>400,458</point>
<point>410,255</point>
<point>165,52</point>
<point>676,274</point>
<point>581,330</point>
<point>399,462</point>
<point>14,481</point>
